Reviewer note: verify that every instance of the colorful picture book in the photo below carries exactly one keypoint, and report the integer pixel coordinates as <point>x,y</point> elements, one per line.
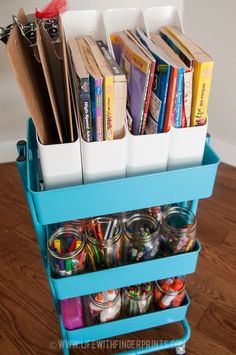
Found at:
<point>102,90</point>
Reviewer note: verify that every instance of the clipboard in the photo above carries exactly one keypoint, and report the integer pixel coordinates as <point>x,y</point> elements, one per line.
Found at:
<point>29,74</point>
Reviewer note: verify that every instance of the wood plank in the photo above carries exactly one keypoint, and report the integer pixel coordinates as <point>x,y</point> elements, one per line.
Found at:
<point>219,324</point>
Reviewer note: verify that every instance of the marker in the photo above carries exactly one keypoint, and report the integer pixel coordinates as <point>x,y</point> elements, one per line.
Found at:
<point>100,236</point>
<point>107,234</point>
<point>61,267</point>
<point>68,267</point>
<point>57,245</point>
<point>112,228</point>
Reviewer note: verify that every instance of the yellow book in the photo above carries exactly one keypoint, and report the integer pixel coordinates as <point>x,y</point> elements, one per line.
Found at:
<point>203,69</point>
<point>108,88</point>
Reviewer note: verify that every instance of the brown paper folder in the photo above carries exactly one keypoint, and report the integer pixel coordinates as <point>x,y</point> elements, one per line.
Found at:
<point>30,77</point>
<point>53,57</point>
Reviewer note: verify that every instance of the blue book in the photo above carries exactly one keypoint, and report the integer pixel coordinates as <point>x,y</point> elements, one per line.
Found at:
<point>179,97</point>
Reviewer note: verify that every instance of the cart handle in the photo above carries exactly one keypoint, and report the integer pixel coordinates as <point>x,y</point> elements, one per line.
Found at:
<point>163,345</point>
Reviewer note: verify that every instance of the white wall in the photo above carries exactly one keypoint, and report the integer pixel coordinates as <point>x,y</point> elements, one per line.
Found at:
<point>212,24</point>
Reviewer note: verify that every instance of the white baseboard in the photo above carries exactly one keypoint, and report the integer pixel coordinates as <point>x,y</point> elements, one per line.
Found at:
<point>226,151</point>
<point>8,152</point>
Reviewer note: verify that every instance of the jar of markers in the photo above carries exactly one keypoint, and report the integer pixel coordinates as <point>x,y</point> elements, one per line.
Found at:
<point>67,253</point>
<point>104,243</point>
<point>178,230</point>
<point>169,292</point>
<point>137,299</point>
<point>141,238</point>
<point>104,306</point>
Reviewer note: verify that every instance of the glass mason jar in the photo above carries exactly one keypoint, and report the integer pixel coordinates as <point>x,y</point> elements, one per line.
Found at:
<point>178,230</point>
<point>142,238</point>
<point>104,243</point>
<point>104,306</point>
<point>169,292</point>
<point>67,253</point>
<point>137,299</point>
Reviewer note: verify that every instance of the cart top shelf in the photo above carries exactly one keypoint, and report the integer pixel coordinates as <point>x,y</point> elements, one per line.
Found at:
<point>118,195</point>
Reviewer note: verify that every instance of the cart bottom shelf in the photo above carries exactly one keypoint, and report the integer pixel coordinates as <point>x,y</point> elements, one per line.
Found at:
<point>123,326</point>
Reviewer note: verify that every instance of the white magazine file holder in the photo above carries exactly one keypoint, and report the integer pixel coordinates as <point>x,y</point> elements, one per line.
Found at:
<point>106,159</point>
<point>60,164</point>
<point>186,144</point>
<point>145,153</point>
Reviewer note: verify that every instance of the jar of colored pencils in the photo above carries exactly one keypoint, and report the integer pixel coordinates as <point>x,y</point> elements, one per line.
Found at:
<point>178,230</point>
<point>104,306</point>
<point>67,253</point>
<point>137,299</point>
<point>141,238</point>
<point>104,243</point>
<point>169,292</point>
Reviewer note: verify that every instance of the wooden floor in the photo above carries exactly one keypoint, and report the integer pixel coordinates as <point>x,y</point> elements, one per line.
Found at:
<point>28,323</point>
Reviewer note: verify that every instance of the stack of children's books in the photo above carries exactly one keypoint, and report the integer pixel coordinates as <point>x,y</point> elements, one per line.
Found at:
<point>168,79</point>
<point>102,90</point>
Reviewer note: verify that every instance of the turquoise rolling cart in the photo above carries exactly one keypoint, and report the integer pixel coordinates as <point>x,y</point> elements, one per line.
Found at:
<point>58,205</point>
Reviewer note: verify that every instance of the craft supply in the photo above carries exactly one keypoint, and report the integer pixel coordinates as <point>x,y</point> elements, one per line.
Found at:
<point>169,292</point>
<point>67,253</point>
<point>72,312</point>
<point>141,238</point>
<point>104,243</point>
<point>137,299</point>
<point>178,230</point>
<point>104,306</point>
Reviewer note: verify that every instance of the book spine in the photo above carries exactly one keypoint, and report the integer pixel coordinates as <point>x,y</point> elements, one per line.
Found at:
<point>183,122</point>
<point>110,60</point>
<point>164,71</point>
<point>201,90</point>
<point>179,98</point>
<point>85,106</point>
<point>108,107</point>
<point>187,102</point>
<point>170,103</point>
<point>99,110</point>
<point>143,107</point>
<point>148,96</point>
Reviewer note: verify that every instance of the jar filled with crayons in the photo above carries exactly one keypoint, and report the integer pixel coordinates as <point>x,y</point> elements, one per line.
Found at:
<point>104,243</point>
<point>142,238</point>
<point>178,230</point>
<point>137,299</point>
<point>169,292</point>
<point>67,253</point>
<point>104,306</point>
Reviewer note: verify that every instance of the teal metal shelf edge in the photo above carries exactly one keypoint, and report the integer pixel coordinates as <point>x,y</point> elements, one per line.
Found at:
<point>127,325</point>
<point>122,276</point>
<point>113,196</point>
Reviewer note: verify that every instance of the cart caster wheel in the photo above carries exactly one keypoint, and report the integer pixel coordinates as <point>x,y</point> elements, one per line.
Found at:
<point>180,350</point>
